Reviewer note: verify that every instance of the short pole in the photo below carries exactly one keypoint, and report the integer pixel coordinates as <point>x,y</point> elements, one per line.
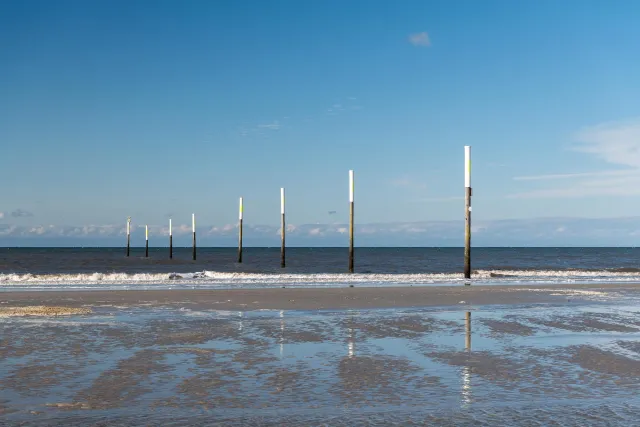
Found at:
<point>128,235</point>
<point>240,214</point>
<point>282,229</point>
<point>170,240</point>
<point>467,212</point>
<point>351,207</point>
<point>146,241</point>
<point>193,227</point>
<point>467,323</point>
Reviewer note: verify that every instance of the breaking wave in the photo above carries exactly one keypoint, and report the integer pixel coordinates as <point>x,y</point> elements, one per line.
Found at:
<point>215,279</point>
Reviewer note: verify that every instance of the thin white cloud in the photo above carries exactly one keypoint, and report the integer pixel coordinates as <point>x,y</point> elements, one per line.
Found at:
<point>407,181</point>
<point>616,143</point>
<point>275,125</point>
<point>440,199</point>
<point>21,213</point>
<point>575,175</point>
<point>420,39</point>
<point>1,215</point>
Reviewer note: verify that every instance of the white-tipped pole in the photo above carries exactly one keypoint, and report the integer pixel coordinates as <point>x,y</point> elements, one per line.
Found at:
<point>146,241</point>
<point>467,166</point>
<point>193,227</point>
<point>351,215</point>
<point>282,231</point>
<point>170,239</point>
<point>128,234</point>
<point>467,212</point>
<point>351,184</point>
<point>240,215</point>
<point>282,201</point>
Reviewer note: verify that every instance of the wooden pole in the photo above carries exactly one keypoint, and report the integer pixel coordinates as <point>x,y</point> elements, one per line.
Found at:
<point>282,229</point>
<point>128,235</point>
<point>193,227</point>
<point>467,212</point>
<point>146,241</point>
<point>240,214</point>
<point>351,207</point>
<point>170,240</point>
<point>467,322</point>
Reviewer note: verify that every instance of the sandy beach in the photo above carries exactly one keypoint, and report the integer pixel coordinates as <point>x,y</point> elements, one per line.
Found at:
<point>321,298</point>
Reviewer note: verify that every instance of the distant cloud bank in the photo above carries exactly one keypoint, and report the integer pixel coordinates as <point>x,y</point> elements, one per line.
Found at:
<point>518,232</point>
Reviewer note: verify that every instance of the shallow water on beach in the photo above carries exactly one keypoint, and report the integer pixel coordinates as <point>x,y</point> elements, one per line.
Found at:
<point>527,365</point>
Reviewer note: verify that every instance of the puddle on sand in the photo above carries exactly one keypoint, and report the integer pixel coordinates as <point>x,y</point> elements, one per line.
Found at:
<point>163,365</point>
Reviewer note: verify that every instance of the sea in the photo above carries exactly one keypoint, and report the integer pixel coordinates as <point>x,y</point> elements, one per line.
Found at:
<point>217,268</point>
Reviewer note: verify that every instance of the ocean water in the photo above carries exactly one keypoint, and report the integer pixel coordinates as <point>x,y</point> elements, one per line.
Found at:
<point>109,268</point>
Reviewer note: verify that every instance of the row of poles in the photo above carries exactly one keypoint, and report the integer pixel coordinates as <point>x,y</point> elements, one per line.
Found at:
<point>240,226</point>
<point>467,230</point>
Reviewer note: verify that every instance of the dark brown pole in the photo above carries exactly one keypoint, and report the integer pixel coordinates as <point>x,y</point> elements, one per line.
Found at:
<point>467,322</point>
<point>193,226</point>
<point>170,240</point>
<point>351,209</point>
<point>282,231</point>
<point>146,241</point>
<point>128,235</point>
<point>240,231</point>
<point>467,212</point>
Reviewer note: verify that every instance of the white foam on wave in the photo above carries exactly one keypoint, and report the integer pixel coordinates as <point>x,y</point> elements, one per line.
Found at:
<point>214,279</point>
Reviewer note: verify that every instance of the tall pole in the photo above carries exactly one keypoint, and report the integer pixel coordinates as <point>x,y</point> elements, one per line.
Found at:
<point>282,231</point>
<point>467,212</point>
<point>170,240</point>
<point>128,234</point>
<point>351,191</point>
<point>193,227</point>
<point>146,241</point>
<point>240,213</point>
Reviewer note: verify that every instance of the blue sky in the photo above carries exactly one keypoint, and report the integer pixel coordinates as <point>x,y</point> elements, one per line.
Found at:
<point>151,109</point>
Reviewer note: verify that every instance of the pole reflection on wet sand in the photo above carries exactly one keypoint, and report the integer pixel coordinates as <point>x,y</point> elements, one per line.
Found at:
<point>467,324</point>
<point>351,345</point>
<point>281,333</point>
<point>466,370</point>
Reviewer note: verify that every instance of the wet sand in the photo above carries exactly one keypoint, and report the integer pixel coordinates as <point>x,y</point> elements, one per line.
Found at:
<point>41,310</point>
<point>401,356</point>
<point>321,298</point>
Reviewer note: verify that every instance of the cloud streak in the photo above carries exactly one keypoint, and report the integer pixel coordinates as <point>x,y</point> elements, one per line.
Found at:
<point>406,181</point>
<point>275,125</point>
<point>616,143</point>
<point>21,213</point>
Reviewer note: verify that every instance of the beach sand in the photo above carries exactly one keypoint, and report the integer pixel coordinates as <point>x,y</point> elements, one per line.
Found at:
<point>320,298</point>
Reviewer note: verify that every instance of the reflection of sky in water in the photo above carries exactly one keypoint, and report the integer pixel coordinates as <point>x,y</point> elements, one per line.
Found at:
<point>291,360</point>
